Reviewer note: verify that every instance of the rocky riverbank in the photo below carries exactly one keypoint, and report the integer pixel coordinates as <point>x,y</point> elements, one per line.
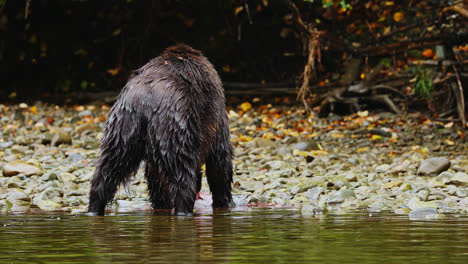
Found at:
<point>284,157</point>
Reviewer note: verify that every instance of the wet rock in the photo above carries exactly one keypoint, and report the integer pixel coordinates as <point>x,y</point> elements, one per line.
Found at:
<point>433,166</point>
<point>459,179</point>
<point>425,214</point>
<point>241,199</point>
<point>19,200</point>
<point>18,166</point>
<point>49,176</point>
<point>5,206</point>
<point>306,145</point>
<point>461,193</point>
<point>6,144</point>
<point>405,186</point>
<point>284,151</point>
<point>380,132</point>
<point>351,177</point>
<point>278,201</point>
<point>48,205</point>
<point>67,177</point>
<point>260,143</point>
<point>401,167</point>
<point>415,203</point>
<point>444,176</point>
<point>84,177</point>
<point>392,184</point>
<point>340,196</point>
<point>276,165</point>
<point>61,138</point>
<point>85,127</point>
<point>402,211</point>
<point>46,138</point>
<point>48,194</point>
<point>309,210</point>
<point>75,157</point>
<point>294,190</point>
<point>313,194</point>
<point>85,113</point>
<point>423,195</point>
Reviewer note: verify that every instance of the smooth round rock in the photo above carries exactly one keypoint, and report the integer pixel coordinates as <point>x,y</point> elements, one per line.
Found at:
<point>433,166</point>
<point>18,166</point>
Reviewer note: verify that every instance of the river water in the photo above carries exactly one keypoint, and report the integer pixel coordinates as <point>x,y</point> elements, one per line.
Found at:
<point>248,235</point>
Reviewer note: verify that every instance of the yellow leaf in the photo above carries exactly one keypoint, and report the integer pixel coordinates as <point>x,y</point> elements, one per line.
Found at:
<point>386,30</point>
<point>269,135</point>
<point>226,68</point>
<point>245,138</point>
<point>449,142</point>
<point>376,137</point>
<point>33,110</point>
<point>336,135</point>
<point>302,153</point>
<point>318,152</point>
<point>397,16</point>
<point>363,149</point>
<point>245,106</point>
<point>461,134</point>
<point>203,167</point>
<point>238,10</point>
<point>424,150</point>
<point>293,133</point>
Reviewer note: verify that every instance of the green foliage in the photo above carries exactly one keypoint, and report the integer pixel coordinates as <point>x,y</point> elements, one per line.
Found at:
<point>84,84</point>
<point>386,62</point>
<point>423,85</point>
<point>330,3</point>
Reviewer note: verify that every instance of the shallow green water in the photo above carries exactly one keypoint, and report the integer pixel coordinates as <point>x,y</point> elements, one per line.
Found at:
<point>241,236</point>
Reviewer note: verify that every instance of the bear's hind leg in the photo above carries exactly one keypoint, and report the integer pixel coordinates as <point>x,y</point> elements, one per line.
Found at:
<point>219,167</point>
<point>157,186</point>
<point>121,155</point>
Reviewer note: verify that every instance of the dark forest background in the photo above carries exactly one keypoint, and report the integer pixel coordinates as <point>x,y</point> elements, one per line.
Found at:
<point>351,52</point>
<point>55,48</point>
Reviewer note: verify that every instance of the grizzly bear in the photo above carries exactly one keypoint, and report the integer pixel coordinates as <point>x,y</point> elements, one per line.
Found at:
<point>171,115</point>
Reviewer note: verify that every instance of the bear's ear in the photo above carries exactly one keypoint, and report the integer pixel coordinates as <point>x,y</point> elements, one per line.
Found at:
<point>182,49</point>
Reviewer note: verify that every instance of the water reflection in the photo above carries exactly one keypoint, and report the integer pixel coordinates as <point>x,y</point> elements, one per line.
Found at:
<point>240,236</point>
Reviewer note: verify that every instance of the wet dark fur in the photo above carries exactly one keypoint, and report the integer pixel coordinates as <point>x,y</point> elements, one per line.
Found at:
<point>171,114</point>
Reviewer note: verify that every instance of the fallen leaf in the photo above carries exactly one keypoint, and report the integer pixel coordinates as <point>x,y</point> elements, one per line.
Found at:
<point>245,106</point>
<point>362,149</point>
<point>428,53</point>
<point>33,110</point>
<point>114,71</point>
<point>397,16</point>
<point>448,125</point>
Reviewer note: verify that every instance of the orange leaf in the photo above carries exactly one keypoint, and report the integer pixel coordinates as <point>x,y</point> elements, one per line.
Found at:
<point>397,16</point>
<point>33,110</point>
<point>113,72</point>
<point>428,53</point>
